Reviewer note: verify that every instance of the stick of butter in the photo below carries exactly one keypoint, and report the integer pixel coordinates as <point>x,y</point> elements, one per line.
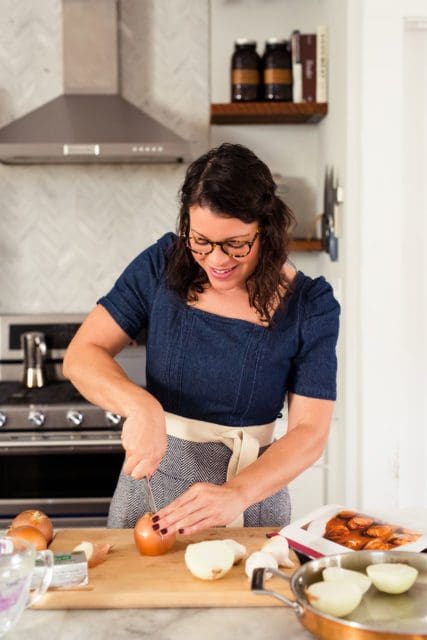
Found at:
<point>69,570</point>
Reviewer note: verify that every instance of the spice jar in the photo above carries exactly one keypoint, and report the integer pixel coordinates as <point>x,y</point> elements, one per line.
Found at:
<point>245,72</point>
<point>277,65</point>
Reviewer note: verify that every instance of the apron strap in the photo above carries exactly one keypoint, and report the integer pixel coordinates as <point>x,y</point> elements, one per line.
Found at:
<point>244,442</point>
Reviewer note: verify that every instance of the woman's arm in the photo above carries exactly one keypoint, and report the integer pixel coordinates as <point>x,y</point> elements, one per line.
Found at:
<point>207,505</point>
<point>89,364</point>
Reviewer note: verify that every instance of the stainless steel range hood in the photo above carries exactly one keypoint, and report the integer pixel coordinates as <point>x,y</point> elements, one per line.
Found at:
<point>91,121</point>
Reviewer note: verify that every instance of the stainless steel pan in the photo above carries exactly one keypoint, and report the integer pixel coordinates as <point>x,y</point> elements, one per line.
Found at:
<point>380,616</point>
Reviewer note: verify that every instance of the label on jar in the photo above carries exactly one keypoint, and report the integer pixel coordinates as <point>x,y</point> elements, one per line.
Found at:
<point>277,76</point>
<point>245,76</point>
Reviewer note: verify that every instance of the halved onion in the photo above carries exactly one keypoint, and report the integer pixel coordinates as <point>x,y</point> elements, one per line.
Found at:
<point>334,598</point>
<point>261,559</point>
<point>209,560</point>
<point>338,574</point>
<point>392,577</point>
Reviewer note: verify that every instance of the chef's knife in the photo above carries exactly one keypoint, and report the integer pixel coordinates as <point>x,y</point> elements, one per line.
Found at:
<point>149,493</point>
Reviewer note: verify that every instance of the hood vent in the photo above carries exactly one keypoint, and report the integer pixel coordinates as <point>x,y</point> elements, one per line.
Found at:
<point>91,122</point>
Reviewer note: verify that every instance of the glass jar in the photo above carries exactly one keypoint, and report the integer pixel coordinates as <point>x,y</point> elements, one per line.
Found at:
<point>277,70</point>
<point>245,72</point>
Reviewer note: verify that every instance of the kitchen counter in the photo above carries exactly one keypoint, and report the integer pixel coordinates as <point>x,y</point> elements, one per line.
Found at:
<point>274,623</point>
<point>160,624</point>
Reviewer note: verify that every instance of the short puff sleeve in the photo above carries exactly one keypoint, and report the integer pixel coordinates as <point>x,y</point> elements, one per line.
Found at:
<point>129,301</point>
<point>314,368</point>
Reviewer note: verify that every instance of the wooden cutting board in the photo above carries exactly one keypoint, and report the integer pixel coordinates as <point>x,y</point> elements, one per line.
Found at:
<point>129,580</point>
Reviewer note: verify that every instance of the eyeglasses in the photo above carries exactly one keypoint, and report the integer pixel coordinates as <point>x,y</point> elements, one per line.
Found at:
<point>233,248</point>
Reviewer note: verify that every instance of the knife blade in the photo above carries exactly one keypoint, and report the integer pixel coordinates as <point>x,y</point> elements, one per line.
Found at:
<point>149,494</point>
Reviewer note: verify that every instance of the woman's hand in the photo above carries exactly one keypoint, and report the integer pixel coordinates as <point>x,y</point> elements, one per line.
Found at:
<point>144,439</point>
<point>202,506</point>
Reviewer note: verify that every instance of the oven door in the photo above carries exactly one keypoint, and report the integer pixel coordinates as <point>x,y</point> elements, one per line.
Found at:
<point>70,477</point>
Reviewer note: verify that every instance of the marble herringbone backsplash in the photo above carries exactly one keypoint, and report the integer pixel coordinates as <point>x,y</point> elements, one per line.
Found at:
<point>66,232</point>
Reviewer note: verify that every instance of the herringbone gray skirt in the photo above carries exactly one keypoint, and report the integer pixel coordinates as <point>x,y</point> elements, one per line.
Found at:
<point>184,464</point>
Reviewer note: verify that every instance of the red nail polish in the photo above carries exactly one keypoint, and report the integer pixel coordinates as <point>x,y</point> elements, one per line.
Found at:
<point>180,530</point>
<point>155,518</point>
<point>162,531</point>
<point>155,527</point>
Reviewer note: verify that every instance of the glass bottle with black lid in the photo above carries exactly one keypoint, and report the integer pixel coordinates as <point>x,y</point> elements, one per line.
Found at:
<point>245,72</point>
<point>277,70</point>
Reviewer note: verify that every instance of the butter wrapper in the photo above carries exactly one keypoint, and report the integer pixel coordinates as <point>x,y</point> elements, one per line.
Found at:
<point>69,570</point>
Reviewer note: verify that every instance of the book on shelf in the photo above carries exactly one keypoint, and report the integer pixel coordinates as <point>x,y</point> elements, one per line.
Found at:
<point>296,67</point>
<point>322,59</point>
<point>308,63</point>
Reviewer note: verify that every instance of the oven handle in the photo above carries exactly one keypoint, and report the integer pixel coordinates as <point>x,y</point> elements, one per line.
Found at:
<point>56,446</point>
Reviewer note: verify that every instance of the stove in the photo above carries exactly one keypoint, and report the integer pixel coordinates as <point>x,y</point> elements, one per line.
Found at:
<point>58,452</point>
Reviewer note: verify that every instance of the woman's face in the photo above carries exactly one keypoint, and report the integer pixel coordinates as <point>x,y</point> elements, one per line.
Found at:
<point>224,272</point>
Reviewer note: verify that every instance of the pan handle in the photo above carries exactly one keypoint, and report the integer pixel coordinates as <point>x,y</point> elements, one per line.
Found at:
<point>257,587</point>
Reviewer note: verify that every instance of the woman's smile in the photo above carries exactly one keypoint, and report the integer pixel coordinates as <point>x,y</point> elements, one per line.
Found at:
<point>225,272</point>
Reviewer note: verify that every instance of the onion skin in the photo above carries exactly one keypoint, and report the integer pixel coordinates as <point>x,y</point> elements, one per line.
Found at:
<point>37,519</point>
<point>30,534</point>
<point>148,541</point>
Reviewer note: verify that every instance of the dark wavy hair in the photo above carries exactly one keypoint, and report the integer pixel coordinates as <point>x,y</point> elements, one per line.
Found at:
<point>234,183</point>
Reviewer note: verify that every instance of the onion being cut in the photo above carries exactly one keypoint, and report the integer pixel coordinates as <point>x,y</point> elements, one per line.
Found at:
<point>150,542</point>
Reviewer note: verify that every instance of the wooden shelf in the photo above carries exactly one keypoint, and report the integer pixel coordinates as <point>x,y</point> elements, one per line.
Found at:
<point>268,112</point>
<point>301,244</point>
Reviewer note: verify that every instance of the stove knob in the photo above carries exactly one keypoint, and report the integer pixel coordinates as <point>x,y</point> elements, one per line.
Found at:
<point>113,418</point>
<point>36,418</point>
<point>75,418</point>
<point>3,419</point>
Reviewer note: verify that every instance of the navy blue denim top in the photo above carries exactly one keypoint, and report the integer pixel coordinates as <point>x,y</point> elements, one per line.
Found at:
<point>226,370</point>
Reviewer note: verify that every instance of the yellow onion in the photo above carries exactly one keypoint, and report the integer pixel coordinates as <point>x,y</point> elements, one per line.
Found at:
<point>150,542</point>
<point>37,519</point>
<point>30,534</point>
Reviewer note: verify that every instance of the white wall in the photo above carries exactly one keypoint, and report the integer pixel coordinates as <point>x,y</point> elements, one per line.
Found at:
<point>386,263</point>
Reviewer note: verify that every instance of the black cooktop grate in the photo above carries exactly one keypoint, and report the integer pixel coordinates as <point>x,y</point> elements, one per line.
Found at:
<point>14,393</point>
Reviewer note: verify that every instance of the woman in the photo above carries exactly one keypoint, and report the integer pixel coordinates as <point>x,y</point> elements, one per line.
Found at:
<point>232,329</point>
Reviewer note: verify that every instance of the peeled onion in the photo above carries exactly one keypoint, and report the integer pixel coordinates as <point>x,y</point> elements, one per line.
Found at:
<point>37,519</point>
<point>209,560</point>
<point>30,534</point>
<point>95,552</point>
<point>148,541</point>
<point>338,574</point>
<point>392,577</point>
<point>260,559</point>
<point>279,548</point>
<point>238,549</point>
<point>335,598</point>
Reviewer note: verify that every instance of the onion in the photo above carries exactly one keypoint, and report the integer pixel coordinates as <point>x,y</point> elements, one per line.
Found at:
<point>260,559</point>
<point>279,548</point>
<point>30,534</point>
<point>150,542</point>
<point>238,549</point>
<point>337,574</point>
<point>335,598</point>
<point>209,560</point>
<point>392,577</point>
<point>95,552</point>
<point>36,519</point>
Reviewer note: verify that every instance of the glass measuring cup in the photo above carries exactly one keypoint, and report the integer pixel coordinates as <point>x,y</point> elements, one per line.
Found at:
<point>17,562</point>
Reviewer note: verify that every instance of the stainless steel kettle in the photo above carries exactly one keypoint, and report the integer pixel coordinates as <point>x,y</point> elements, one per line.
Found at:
<point>33,344</point>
